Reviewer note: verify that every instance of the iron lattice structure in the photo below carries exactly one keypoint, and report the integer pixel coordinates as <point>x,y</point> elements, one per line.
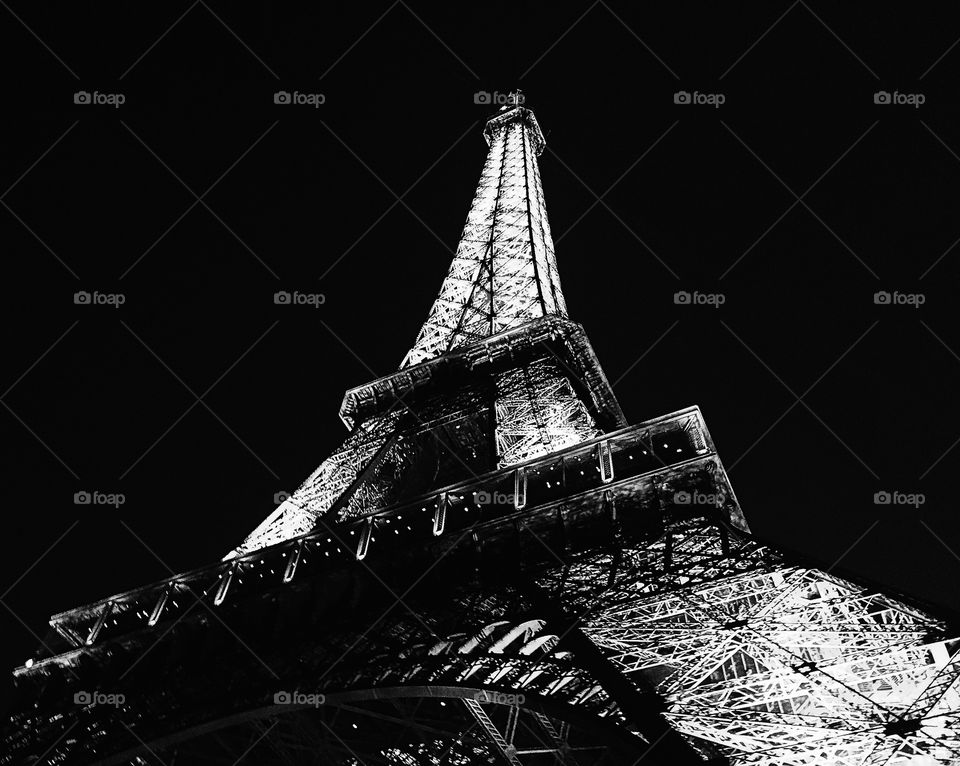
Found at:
<point>505,271</point>
<point>504,275</point>
<point>493,567</point>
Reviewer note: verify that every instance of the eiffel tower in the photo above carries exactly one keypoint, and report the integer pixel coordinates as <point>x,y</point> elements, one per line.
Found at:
<point>496,567</point>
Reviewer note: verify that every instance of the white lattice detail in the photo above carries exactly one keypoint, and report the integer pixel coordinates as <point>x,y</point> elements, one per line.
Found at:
<point>298,514</point>
<point>503,276</point>
<point>505,271</point>
<point>538,413</point>
<point>786,665</point>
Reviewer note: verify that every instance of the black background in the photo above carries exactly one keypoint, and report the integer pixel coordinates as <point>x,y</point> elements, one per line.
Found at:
<point>313,207</point>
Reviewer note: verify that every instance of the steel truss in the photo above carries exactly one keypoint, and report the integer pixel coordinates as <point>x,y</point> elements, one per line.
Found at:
<point>539,547</point>
<point>504,273</point>
<point>504,276</point>
<point>779,664</point>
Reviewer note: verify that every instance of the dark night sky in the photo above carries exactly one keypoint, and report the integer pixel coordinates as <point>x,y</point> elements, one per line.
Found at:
<point>312,207</point>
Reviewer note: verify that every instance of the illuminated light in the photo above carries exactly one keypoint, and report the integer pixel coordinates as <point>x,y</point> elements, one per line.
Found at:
<point>28,663</point>
<point>630,637</point>
<point>366,537</point>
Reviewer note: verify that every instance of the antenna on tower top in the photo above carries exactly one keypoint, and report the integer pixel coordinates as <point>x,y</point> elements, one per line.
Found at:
<point>516,98</point>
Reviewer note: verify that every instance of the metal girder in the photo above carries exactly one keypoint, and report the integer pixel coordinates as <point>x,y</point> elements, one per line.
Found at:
<point>783,664</point>
<point>504,273</point>
<point>653,612</point>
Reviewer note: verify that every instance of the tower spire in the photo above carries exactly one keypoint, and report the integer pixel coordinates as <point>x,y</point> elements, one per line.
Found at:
<point>504,273</point>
